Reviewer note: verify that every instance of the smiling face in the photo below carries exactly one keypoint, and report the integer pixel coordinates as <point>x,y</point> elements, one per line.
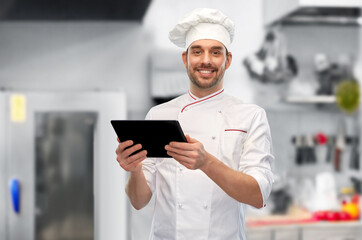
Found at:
<point>206,61</point>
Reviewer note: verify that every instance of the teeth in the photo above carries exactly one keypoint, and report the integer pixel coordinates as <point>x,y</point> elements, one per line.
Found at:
<point>205,71</point>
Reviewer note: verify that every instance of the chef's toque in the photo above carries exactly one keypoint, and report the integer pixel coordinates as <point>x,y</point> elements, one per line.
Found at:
<point>203,23</point>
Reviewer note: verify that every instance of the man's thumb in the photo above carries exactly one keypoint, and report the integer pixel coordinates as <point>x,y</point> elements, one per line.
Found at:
<point>190,139</point>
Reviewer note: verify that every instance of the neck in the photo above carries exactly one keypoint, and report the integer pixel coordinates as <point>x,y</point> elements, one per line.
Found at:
<point>200,93</point>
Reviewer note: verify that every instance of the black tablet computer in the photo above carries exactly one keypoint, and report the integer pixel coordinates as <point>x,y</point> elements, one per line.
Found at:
<point>154,135</point>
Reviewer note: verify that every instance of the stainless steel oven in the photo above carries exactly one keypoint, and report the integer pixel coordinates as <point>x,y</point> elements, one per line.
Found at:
<point>58,175</point>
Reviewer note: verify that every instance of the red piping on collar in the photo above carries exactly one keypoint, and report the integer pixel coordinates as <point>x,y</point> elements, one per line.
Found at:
<point>191,96</point>
<point>202,100</point>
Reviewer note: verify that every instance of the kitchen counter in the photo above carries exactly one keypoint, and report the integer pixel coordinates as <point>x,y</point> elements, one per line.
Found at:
<point>301,227</point>
<point>351,230</point>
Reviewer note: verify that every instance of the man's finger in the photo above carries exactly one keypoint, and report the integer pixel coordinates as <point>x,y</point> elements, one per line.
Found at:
<point>179,156</point>
<point>134,163</point>
<point>179,151</point>
<point>124,145</point>
<point>134,158</point>
<point>181,145</point>
<point>126,153</point>
<point>185,161</point>
<point>190,139</point>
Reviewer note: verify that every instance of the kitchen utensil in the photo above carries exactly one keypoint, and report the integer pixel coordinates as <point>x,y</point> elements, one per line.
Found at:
<point>310,149</point>
<point>330,147</point>
<point>292,64</point>
<point>354,162</point>
<point>272,63</point>
<point>280,66</point>
<point>255,63</point>
<point>299,149</point>
<point>322,67</point>
<point>340,146</point>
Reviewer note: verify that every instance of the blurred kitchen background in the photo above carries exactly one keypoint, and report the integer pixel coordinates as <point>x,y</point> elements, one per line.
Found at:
<point>68,67</point>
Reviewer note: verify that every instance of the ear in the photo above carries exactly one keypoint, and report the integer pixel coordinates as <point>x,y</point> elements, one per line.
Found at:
<point>184,58</point>
<point>228,60</point>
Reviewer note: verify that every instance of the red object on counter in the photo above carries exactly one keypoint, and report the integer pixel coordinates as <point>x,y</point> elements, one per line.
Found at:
<point>331,216</point>
<point>344,216</point>
<point>320,215</point>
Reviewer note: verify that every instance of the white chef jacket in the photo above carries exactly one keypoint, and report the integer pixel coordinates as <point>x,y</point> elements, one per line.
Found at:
<point>188,204</point>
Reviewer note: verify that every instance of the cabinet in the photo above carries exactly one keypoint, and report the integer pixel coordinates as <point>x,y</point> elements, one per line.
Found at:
<point>316,231</point>
<point>333,231</point>
<point>264,233</point>
<point>287,233</point>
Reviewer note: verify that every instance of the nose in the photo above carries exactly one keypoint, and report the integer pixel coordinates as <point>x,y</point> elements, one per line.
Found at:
<point>206,58</point>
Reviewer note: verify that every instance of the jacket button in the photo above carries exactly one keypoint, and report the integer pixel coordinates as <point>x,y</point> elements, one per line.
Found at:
<point>213,137</point>
<point>205,206</point>
<point>180,205</point>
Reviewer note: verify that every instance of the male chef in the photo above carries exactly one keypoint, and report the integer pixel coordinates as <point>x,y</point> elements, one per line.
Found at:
<point>200,191</point>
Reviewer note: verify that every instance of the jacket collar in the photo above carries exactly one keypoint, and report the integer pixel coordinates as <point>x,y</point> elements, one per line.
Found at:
<point>195,100</point>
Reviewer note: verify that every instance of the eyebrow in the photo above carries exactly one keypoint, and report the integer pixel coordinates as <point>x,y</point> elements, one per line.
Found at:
<point>217,48</point>
<point>195,46</point>
<point>213,48</point>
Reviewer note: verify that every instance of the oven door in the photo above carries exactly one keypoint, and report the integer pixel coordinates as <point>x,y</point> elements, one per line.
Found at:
<point>59,177</point>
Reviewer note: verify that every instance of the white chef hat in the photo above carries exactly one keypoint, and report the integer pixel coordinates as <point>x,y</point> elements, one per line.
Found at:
<point>203,23</point>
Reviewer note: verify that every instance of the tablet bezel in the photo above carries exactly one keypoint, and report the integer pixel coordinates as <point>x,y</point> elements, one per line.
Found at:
<point>152,134</point>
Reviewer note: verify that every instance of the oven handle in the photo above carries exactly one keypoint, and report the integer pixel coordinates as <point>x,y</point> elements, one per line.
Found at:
<point>15,194</point>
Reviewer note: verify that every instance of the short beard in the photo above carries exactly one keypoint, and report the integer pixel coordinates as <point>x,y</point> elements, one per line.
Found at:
<point>211,84</point>
<point>198,84</point>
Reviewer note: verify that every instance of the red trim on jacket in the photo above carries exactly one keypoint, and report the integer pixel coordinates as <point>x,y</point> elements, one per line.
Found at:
<point>191,95</point>
<point>227,130</point>
<point>202,100</point>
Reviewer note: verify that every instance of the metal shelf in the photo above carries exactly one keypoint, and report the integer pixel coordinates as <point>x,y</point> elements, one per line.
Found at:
<point>326,99</point>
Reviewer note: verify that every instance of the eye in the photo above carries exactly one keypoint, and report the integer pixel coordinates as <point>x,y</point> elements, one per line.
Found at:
<point>216,52</point>
<point>196,52</point>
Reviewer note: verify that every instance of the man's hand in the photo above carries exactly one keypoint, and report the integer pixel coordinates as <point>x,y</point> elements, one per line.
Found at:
<point>191,154</point>
<point>240,186</point>
<point>130,163</point>
<point>137,188</point>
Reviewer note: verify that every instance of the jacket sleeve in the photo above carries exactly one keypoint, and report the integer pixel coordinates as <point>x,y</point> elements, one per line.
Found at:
<point>257,159</point>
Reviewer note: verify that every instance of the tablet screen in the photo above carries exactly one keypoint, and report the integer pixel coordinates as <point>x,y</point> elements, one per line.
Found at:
<point>154,135</point>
